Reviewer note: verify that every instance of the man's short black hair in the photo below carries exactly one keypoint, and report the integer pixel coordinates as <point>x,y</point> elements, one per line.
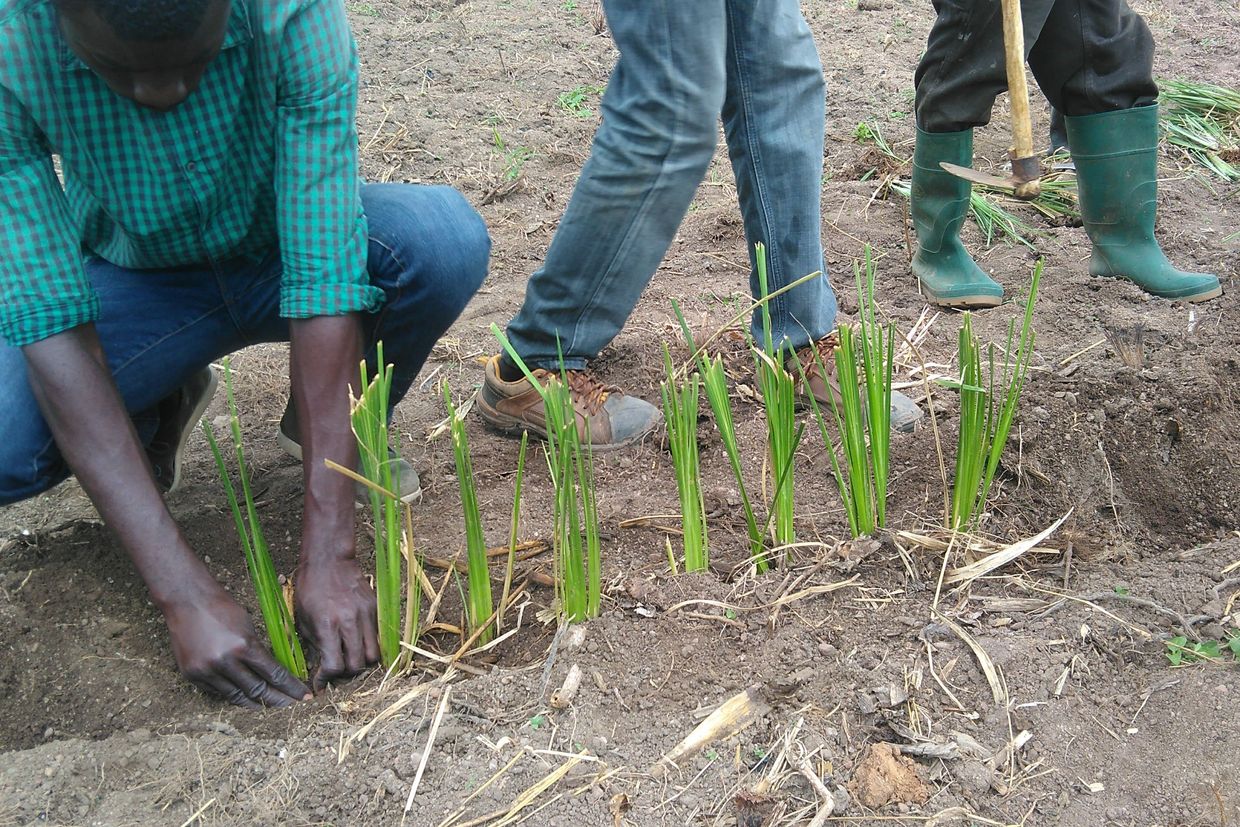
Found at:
<point>146,20</point>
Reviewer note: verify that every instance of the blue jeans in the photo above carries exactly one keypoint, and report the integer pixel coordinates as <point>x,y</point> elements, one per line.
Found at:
<point>681,66</point>
<point>428,252</point>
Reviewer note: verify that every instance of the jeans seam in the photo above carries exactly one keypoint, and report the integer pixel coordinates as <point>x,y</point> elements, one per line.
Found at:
<point>171,334</point>
<point>388,301</point>
<point>779,304</point>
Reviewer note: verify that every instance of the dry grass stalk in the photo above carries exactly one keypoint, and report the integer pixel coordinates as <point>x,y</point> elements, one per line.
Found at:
<point>430,745</point>
<point>964,575</point>
<point>390,712</point>
<point>997,689</point>
<point>734,715</point>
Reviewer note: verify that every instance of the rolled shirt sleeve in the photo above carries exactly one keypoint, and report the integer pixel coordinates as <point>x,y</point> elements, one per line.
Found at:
<point>320,223</point>
<point>43,285</point>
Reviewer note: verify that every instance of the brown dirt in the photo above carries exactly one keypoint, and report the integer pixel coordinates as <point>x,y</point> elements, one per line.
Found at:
<point>97,728</point>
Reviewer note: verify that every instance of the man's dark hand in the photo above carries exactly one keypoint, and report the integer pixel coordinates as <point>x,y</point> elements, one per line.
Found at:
<point>217,649</point>
<point>335,609</point>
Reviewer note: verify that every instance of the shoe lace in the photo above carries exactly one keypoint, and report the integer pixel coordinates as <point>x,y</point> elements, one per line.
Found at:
<point>818,354</point>
<point>587,392</point>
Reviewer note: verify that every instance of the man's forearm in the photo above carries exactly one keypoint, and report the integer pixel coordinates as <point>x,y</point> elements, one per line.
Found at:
<point>71,381</point>
<point>323,364</point>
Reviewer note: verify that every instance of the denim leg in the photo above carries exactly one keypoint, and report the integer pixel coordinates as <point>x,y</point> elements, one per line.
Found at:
<point>428,252</point>
<point>657,138</point>
<point>774,116</point>
<point>156,329</point>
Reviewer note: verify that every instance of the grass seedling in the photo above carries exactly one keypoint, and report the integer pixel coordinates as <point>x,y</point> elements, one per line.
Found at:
<point>865,358</point>
<point>680,411</point>
<point>369,417</point>
<point>575,538</point>
<point>512,532</point>
<point>778,390</point>
<point>715,383</point>
<point>985,421</point>
<point>479,605</point>
<point>277,616</point>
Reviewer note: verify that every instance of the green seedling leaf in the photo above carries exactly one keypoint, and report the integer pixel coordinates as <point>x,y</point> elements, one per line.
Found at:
<point>537,721</point>
<point>1176,649</point>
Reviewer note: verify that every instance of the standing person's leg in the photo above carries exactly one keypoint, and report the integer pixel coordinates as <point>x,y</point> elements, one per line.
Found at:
<point>960,74</point>
<point>1095,63</point>
<point>656,140</point>
<point>774,116</point>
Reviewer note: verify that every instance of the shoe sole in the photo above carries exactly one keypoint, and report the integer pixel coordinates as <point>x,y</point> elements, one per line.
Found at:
<point>514,427</point>
<point>1206,296</point>
<point>178,456</point>
<point>1212,293</point>
<point>974,302</point>
<point>363,493</point>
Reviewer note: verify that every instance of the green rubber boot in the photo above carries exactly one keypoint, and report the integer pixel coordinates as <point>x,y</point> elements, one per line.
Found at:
<point>1116,156</point>
<point>939,201</point>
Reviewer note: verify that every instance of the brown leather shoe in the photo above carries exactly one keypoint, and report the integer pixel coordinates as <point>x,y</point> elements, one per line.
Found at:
<point>904,412</point>
<point>607,418</point>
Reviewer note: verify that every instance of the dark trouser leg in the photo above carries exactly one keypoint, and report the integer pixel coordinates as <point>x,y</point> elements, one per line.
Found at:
<point>963,68</point>
<point>1094,56</point>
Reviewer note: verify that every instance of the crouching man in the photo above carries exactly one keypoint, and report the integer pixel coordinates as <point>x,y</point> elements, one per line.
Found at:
<point>209,199</point>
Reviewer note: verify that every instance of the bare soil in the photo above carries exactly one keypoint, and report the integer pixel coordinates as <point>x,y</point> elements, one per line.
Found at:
<point>1086,722</point>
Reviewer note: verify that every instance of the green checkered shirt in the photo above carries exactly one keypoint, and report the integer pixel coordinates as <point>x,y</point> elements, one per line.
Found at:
<point>262,155</point>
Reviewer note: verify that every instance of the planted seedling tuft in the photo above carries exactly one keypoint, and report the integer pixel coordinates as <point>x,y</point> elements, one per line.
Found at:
<point>277,615</point>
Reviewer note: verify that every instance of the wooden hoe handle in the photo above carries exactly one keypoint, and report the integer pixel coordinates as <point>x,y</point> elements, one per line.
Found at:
<point>1026,167</point>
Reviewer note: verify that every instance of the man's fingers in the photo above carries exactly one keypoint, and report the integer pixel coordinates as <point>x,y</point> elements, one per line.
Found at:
<point>228,690</point>
<point>279,678</point>
<point>256,688</point>
<point>331,660</point>
<point>354,651</point>
<point>369,624</point>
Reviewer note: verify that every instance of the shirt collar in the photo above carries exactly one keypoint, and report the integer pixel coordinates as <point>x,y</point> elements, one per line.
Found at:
<point>237,33</point>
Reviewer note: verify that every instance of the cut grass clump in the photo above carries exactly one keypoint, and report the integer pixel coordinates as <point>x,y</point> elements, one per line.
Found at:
<point>680,411</point>
<point>716,383</point>
<point>514,526</point>
<point>576,541</point>
<point>985,419</point>
<point>479,606</point>
<point>277,615</point>
<point>1203,121</point>
<point>864,425</point>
